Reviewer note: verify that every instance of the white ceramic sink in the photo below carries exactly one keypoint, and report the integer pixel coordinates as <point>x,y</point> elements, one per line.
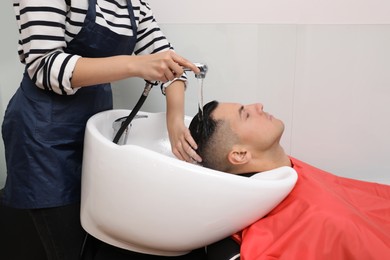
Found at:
<point>139,197</point>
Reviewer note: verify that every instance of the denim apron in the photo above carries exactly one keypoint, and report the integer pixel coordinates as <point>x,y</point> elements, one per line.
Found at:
<point>43,132</point>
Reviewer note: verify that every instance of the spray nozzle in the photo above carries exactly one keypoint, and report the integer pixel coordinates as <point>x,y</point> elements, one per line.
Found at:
<point>203,70</point>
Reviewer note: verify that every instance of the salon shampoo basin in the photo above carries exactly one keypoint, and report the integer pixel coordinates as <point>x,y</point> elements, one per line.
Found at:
<point>139,197</point>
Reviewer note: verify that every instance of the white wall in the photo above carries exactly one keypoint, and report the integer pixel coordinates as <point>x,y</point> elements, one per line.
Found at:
<point>273,11</point>
<point>329,83</point>
<point>10,67</point>
<point>321,66</point>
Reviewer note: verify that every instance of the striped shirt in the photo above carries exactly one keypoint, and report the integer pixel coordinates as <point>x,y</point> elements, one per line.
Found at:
<point>46,26</point>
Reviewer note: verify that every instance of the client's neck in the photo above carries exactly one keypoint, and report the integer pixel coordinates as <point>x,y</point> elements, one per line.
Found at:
<point>269,160</point>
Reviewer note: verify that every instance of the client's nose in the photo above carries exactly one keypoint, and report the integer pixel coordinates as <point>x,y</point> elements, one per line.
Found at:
<point>258,107</point>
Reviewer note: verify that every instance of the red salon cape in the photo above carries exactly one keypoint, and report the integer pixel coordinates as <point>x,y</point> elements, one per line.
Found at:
<point>324,217</point>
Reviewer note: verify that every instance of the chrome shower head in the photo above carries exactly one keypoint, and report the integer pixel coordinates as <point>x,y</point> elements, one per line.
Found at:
<point>203,70</point>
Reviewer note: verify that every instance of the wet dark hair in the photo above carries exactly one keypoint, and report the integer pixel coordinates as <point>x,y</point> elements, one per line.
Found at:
<point>202,128</point>
<point>214,137</point>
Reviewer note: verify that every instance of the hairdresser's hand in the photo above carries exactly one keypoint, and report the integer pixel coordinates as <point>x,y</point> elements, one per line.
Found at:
<point>163,66</point>
<point>182,144</point>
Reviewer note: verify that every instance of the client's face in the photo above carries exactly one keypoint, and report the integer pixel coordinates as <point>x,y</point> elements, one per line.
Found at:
<point>251,123</point>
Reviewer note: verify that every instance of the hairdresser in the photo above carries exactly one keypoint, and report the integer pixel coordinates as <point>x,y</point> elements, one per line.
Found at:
<point>71,51</point>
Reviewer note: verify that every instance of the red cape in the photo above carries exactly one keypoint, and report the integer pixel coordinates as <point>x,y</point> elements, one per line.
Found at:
<point>324,217</point>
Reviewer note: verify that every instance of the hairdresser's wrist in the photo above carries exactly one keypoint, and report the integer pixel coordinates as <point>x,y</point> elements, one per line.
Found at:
<point>169,83</point>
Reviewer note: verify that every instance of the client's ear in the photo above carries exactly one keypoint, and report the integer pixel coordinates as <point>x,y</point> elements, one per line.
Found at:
<point>239,156</point>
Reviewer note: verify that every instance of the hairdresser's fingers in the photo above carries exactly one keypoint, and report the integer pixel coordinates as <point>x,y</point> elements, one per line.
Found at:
<point>192,146</point>
<point>176,150</point>
<point>169,75</point>
<point>170,69</point>
<point>181,151</point>
<point>184,62</point>
<point>182,144</point>
<point>189,139</point>
<point>175,68</point>
<point>186,152</point>
<point>193,155</point>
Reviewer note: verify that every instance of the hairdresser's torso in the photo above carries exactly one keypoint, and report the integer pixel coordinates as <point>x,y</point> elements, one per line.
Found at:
<point>44,154</point>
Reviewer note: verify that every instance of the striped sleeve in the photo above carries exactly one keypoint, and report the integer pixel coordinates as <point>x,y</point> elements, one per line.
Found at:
<point>45,27</point>
<point>42,40</point>
<point>150,38</point>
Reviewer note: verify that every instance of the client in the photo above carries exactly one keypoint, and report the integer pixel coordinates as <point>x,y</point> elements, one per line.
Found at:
<point>324,217</point>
